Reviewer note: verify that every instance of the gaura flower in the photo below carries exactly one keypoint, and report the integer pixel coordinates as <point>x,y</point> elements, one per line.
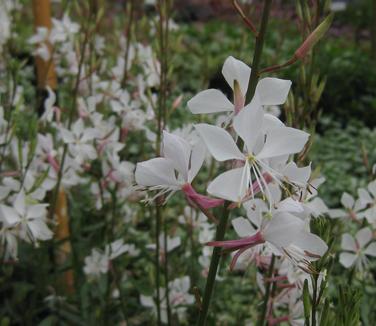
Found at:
<point>28,221</point>
<point>260,146</point>
<point>284,233</point>
<point>270,91</point>
<point>175,170</point>
<point>352,208</point>
<point>357,249</point>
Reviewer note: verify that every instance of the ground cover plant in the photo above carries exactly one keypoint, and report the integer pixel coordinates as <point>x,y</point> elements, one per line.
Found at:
<point>175,162</point>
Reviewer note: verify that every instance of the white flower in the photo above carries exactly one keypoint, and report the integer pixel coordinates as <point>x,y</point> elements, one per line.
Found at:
<point>49,106</point>
<point>352,208</point>
<point>179,298</point>
<point>80,141</point>
<point>28,221</point>
<point>356,250</point>
<point>283,232</point>
<point>260,146</point>
<point>175,171</point>
<point>368,198</point>
<point>97,262</point>
<point>269,91</point>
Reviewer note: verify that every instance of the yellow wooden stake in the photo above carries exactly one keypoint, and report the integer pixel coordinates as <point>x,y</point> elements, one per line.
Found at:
<point>46,74</point>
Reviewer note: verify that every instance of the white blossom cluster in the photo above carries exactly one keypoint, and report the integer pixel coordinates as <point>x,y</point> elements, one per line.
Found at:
<point>279,197</point>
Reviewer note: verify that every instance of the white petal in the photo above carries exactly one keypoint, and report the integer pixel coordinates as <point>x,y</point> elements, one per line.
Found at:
<point>283,141</point>
<point>210,101</point>
<point>36,211</point>
<point>311,243</point>
<point>9,215</point>
<point>372,188</point>
<point>255,209</point>
<point>197,158</point>
<point>317,207</point>
<point>231,185</point>
<point>39,229</point>
<point>364,196</point>
<point>248,124</point>
<point>371,250</point>
<point>270,122</point>
<point>283,229</point>
<point>66,135</point>
<point>347,200</point>
<point>19,203</point>
<point>155,172</point>
<point>297,175</point>
<point>348,242</point>
<point>219,142</point>
<point>290,205</point>
<point>337,213</point>
<point>273,91</point>
<point>242,227</point>
<point>363,236</point>
<point>178,151</point>
<point>347,259</point>
<point>234,69</point>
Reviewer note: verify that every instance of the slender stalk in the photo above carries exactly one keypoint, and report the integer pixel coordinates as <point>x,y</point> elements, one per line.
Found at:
<point>70,121</point>
<point>166,276</point>
<point>128,35</point>
<point>268,286</point>
<point>157,262</point>
<point>164,9</point>
<point>260,38</point>
<point>314,300</point>
<point>373,29</point>
<point>219,236</point>
<point>221,229</point>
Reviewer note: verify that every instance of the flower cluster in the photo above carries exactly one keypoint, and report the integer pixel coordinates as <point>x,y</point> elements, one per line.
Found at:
<point>257,148</point>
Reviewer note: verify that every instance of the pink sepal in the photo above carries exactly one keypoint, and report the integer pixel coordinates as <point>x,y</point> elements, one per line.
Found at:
<point>201,200</point>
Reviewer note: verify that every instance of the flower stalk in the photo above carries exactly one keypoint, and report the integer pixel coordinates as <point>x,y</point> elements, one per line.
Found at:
<point>221,229</point>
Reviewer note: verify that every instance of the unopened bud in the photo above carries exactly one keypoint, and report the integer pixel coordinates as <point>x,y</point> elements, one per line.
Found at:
<point>177,102</point>
<point>239,99</point>
<point>314,37</point>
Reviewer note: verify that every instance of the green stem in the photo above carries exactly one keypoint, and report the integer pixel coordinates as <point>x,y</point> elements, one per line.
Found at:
<point>157,264</point>
<point>219,236</point>
<point>260,38</point>
<point>221,229</point>
<point>314,300</point>
<point>166,273</point>
<point>164,10</point>
<point>264,307</point>
<point>128,37</point>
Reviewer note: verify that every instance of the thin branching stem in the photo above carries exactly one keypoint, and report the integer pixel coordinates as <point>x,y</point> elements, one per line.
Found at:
<point>221,228</point>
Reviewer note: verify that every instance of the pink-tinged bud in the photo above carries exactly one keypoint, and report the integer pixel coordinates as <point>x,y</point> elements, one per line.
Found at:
<point>53,162</point>
<point>276,321</point>
<point>276,278</point>
<point>82,114</point>
<point>307,45</point>
<point>201,200</point>
<point>57,114</point>
<point>177,102</point>
<point>123,134</point>
<point>102,146</point>
<point>239,99</point>
<point>232,245</point>
<point>10,174</point>
<point>240,245</point>
<point>314,37</point>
